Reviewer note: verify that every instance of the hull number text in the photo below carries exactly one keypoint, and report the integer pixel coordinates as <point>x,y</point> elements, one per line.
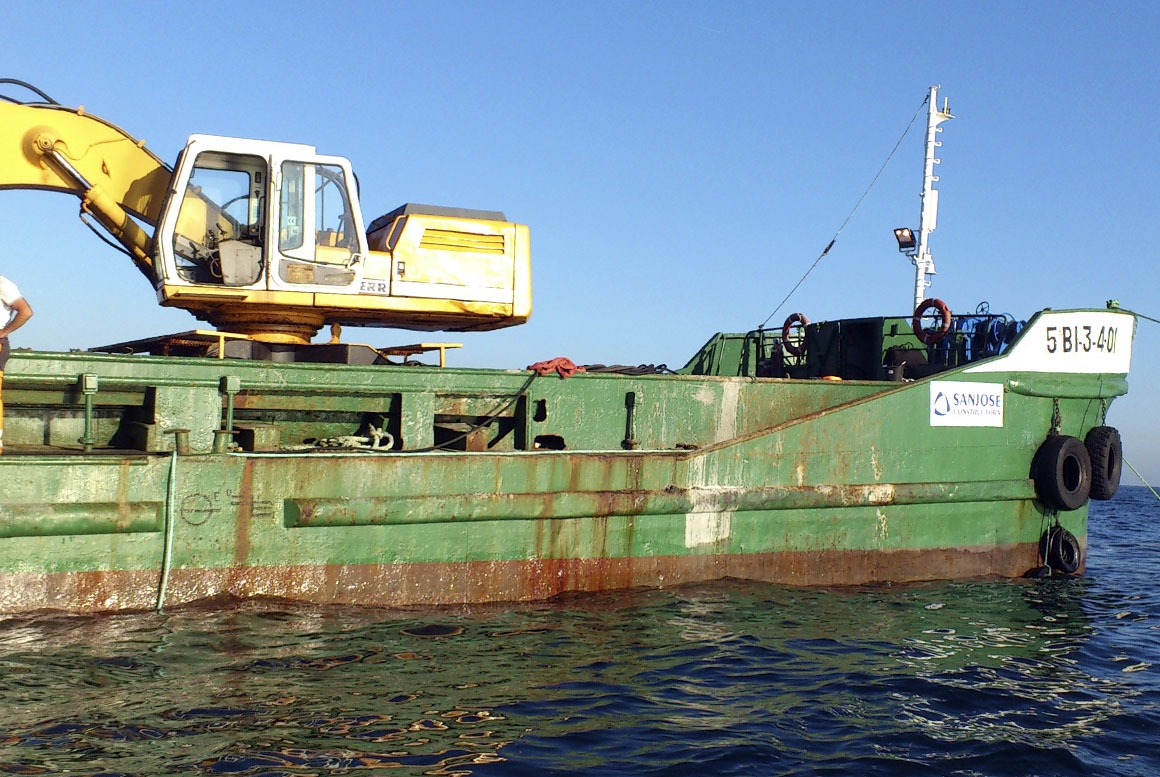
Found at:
<point>1080,339</point>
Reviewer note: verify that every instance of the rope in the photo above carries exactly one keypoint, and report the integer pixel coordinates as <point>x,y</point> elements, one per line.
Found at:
<point>1145,482</point>
<point>1137,472</point>
<point>487,419</point>
<point>313,450</point>
<point>624,369</point>
<point>561,365</point>
<point>857,205</point>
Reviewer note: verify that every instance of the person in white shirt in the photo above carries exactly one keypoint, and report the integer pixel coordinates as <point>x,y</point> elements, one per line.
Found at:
<point>15,312</point>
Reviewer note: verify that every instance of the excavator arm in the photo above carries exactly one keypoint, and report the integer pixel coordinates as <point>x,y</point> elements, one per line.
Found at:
<point>120,183</point>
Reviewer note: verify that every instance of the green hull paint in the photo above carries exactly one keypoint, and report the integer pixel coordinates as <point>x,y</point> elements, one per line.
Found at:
<point>594,482</point>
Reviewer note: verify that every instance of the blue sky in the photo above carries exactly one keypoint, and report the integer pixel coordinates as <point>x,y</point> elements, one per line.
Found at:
<point>680,164</point>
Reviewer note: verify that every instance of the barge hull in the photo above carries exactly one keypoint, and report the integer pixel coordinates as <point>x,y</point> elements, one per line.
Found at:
<point>590,483</point>
<point>343,529</point>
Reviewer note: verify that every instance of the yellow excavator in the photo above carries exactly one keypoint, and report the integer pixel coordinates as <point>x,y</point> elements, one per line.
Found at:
<point>266,239</point>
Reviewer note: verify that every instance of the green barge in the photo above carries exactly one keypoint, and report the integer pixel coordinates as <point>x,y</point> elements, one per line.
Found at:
<point>249,461</point>
<point>492,485</point>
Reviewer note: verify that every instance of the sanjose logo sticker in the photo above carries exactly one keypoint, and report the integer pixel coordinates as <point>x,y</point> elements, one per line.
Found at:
<point>957,403</point>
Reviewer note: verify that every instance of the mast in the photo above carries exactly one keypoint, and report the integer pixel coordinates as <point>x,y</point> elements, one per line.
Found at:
<point>918,247</point>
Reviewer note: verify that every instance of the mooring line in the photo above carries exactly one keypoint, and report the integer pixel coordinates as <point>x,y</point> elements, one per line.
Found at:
<point>1145,482</point>
<point>850,215</point>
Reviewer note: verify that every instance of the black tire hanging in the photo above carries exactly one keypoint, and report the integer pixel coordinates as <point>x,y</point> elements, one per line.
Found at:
<point>1107,455</point>
<point>1062,471</point>
<point>1060,550</point>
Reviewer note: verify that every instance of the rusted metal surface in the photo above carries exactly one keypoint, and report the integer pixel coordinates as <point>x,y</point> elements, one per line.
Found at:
<point>500,581</point>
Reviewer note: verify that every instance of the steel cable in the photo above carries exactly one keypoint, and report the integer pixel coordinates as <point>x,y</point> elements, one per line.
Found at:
<point>857,205</point>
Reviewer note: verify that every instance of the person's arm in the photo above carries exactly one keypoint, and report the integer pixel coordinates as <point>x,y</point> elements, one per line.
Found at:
<point>23,313</point>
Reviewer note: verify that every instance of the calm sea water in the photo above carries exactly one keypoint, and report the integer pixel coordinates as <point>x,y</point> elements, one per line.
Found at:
<point>1048,677</point>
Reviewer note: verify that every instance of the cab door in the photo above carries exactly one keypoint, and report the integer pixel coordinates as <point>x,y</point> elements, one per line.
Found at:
<point>318,246</point>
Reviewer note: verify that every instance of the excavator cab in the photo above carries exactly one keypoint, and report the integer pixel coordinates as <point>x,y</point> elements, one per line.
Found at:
<point>223,234</point>
<point>267,239</point>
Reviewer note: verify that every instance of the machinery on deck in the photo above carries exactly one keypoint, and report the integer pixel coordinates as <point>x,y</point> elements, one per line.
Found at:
<point>266,239</point>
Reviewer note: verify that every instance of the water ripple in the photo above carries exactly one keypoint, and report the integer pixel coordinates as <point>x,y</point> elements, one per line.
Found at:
<point>1051,677</point>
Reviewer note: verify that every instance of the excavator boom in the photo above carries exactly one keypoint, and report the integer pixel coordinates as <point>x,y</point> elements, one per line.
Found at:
<point>119,181</point>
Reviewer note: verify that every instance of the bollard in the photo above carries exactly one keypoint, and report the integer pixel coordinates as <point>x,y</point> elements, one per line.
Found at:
<point>221,440</point>
<point>181,440</point>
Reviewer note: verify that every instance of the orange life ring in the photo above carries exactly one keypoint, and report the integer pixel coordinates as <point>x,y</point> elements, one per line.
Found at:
<point>793,349</point>
<point>931,336</point>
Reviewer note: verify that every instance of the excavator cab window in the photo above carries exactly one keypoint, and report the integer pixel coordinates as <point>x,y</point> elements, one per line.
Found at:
<point>315,234</point>
<point>218,239</point>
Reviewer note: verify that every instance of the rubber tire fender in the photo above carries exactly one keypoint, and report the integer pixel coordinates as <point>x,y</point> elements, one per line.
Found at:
<point>1107,454</point>
<point>1060,550</point>
<point>794,318</point>
<point>931,336</point>
<point>1062,471</point>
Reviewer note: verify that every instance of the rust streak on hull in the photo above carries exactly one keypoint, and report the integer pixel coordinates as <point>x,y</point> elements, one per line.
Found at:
<point>503,581</point>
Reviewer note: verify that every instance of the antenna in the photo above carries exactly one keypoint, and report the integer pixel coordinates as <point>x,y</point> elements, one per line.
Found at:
<point>918,247</point>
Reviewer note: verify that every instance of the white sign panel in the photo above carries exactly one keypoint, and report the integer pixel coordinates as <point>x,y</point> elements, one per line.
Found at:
<point>958,403</point>
<point>1082,341</point>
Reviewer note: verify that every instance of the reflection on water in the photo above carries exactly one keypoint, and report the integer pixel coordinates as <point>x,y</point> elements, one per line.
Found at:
<point>973,678</point>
